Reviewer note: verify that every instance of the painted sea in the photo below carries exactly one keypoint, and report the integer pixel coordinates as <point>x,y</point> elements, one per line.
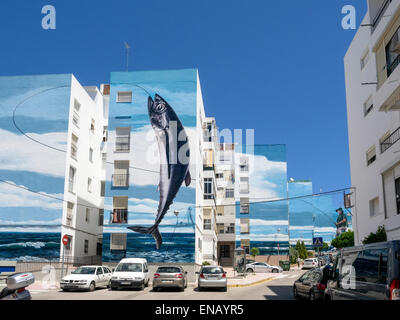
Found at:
<point>178,247</point>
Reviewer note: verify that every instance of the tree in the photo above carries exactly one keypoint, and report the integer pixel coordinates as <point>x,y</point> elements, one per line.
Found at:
<point>325,246</point>
<point>301,249</point>
<point>379,236</point>
<point>293,255</point>
<point>254,252</point>
<point>346,239</point>
<point>206,263</point>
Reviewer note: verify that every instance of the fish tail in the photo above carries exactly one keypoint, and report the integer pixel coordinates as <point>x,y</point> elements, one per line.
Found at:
<point>151,230</point>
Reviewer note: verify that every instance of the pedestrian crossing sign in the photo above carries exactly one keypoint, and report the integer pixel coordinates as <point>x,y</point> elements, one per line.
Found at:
<point>317,242</point>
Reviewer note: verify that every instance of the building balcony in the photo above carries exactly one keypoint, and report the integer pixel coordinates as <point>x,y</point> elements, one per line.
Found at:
<point>122,144</point>
<point>390,140</point>
<point>120,180</point>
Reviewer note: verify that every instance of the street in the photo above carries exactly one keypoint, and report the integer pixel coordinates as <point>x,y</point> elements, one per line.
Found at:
<point>276,289</point>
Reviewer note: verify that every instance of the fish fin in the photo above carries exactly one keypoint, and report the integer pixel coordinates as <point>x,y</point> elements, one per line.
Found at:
<point>188,179</point>
<point>157,236</point>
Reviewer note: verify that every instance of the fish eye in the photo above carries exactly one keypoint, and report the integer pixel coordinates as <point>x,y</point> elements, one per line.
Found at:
<point>160,107</point>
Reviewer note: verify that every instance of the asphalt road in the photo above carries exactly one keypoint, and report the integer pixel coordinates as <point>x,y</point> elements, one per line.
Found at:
<point>277,289</point>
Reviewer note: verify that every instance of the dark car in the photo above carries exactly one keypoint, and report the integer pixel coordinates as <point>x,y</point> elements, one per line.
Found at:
<point>311,285</point>
<point>366,272</point>
<point>170,277</point>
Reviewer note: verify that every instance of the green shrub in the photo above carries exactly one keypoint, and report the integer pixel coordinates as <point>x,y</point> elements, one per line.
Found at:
<point>379,236</point>
<point>206,263</point>
<point>346,239</point>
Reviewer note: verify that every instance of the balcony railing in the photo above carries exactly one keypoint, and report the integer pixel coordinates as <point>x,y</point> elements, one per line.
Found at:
<point>122,144</point>
<point>391,140</point>
<point>120,180</point>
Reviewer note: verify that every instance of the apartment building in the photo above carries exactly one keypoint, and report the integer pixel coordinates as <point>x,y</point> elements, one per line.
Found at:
<point>373,104</point>
<point>83,207</point>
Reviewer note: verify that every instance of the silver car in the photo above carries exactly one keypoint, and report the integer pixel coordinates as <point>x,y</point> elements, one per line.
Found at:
<point>170,277</point>
<point>260,267</point>
<point>212,277</point>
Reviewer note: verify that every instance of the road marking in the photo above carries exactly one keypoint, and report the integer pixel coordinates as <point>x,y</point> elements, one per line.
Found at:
<point>281,276</point>
<point>293,276</point>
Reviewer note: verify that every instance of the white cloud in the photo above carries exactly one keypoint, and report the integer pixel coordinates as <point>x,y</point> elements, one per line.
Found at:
<point>11,196</point>
<point>260,171</point>
<point>31,222</point>
<point>260,222</point>
<point>301,228</point>
<point>325,229</point>
<point>22,154</point>
<point>265,237</point>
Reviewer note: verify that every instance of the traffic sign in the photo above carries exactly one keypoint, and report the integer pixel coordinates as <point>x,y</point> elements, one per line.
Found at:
<point>317,242</point>
<point>65,240</point>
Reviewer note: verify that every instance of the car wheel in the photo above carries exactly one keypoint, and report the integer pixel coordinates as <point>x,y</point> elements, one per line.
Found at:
<point>249,270</point>
<point>199,288</point>
<point>65,290</point>
<point>274,270</point>
<point>155,289</point>
<point>312,295</point>
<point>92,286</point>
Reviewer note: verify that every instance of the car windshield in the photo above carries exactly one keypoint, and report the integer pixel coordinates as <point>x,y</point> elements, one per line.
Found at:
<point>168,270</point>
<point>212,270</point>
<point>85,270</point>
<point>308,260</point>
<point>129,267</point>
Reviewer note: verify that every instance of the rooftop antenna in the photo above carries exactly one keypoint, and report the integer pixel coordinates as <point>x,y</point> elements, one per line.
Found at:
<point>127,47</point>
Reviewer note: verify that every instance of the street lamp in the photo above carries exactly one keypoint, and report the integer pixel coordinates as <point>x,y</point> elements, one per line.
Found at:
<point>278,230</point>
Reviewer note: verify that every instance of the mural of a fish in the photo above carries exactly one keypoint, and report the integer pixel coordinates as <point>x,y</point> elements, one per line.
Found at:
<point>174,165</point>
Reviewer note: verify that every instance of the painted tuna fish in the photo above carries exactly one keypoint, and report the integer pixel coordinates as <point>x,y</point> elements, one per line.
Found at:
<point>172,141</point>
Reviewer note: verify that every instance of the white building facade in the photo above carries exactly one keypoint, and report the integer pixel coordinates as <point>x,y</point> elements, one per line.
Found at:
<point>373,110</point>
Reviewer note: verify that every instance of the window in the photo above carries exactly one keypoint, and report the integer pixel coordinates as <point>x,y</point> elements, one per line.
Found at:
<point>70,213</point>
<point>199,244</point>
<point>89,184</point>
<point>229,193</point>
<point>124,96</point>
<point>244,206</point>
<point>207,133</point>
<point>364,59</point>
<point>102,188</point>
<point>71,179</point>
<point>368,106</point>
<point>120,178</point>
<point>99,271</point>
<point>77,105</point>
<point>371,155</point>
<point>374,207</point>
<point>91,155</point>
<point>101,217</point>
<point>244,226</point>
<point>74,146</point>
<point>118,241</point>
<point>86,246</point>
<point>92,126</point>
<point>370,265</point>
<point>120,210</point>
<point>75,119</point>
<point>230,228</point>
<point>87,216</point>
<point>397,190</point>
<point>208,188</point>
<point>207,224</point>
<point>392,52</point>
<point>244,185</point>
<point>225,251</point>
<point>122,139</point>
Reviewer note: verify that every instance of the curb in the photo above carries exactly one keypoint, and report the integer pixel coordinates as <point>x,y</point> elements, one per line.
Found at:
<point>249,284</point>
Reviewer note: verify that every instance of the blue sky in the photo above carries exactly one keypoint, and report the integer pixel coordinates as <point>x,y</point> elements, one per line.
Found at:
<point>280,61</point>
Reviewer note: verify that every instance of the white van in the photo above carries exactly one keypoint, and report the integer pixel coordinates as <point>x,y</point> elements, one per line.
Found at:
<point>130,273</point>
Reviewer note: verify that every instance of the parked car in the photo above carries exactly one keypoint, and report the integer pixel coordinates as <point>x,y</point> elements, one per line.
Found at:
<point>86,278</point>
<point>310,263</point>
<point>312,284</point>
<point>262,267</point>
<point>323,260</point>
<point>16,285</point>
<point>212,277</point>
<point>130,273</point>
<point>366,272</point>
<point>170,277</point>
